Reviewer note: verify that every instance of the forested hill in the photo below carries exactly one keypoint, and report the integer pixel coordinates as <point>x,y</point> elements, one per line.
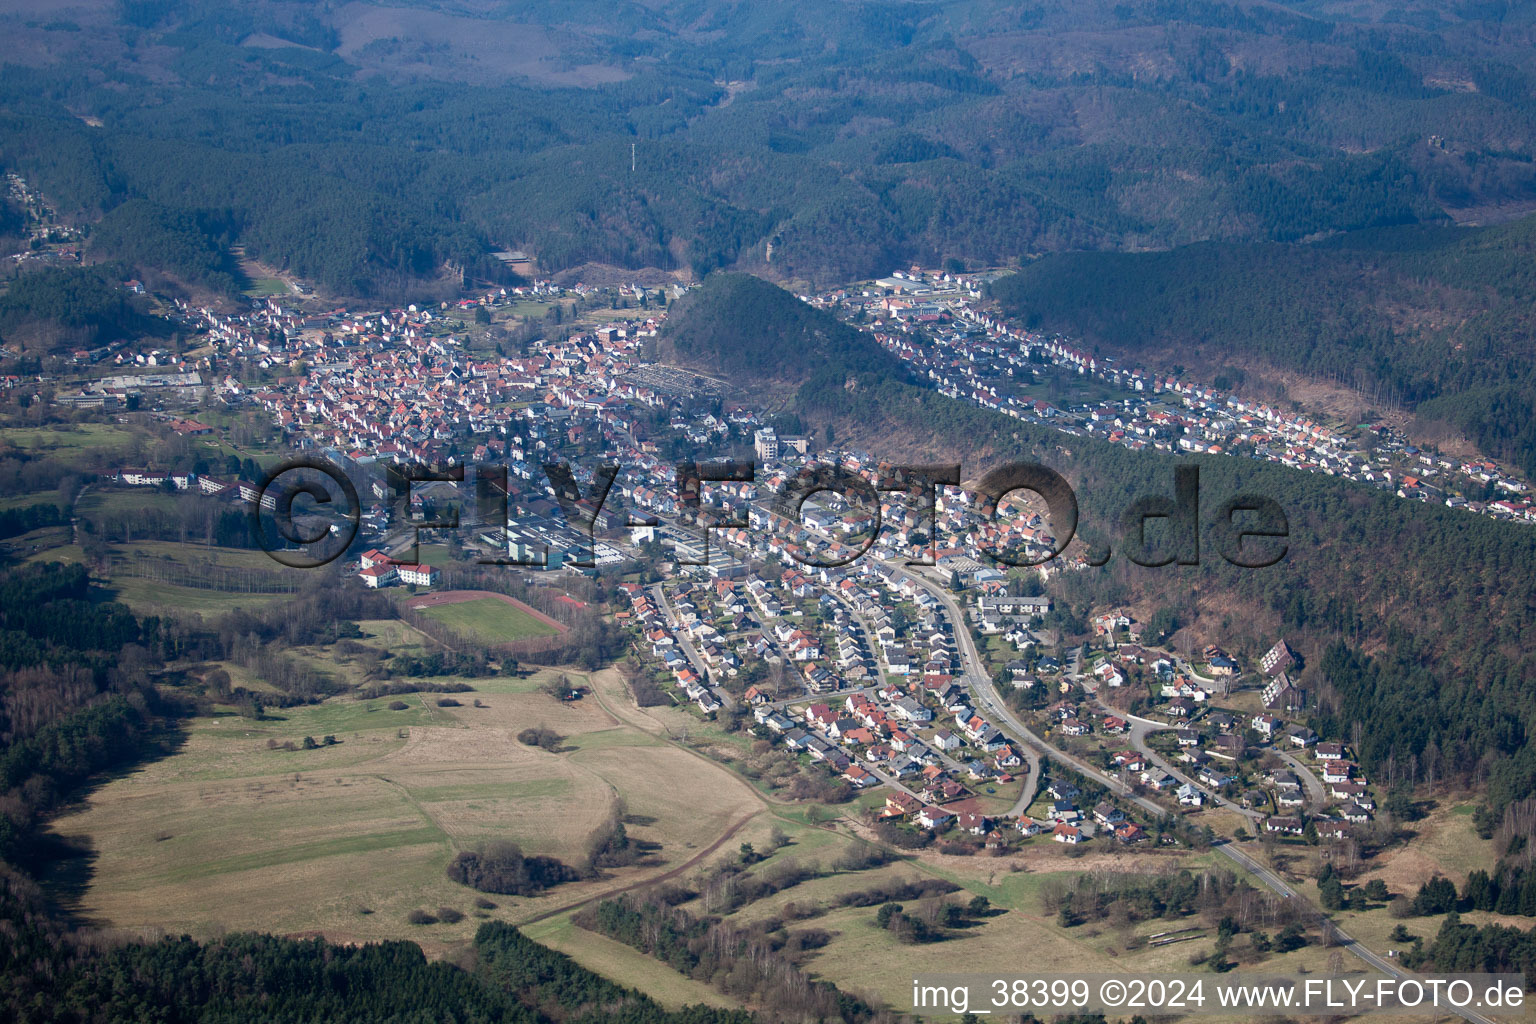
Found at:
<point>753,331</point>
<point>1438,320</point>
<point>66,307</point>
<point>379,147</point>
<point>1433,611</point>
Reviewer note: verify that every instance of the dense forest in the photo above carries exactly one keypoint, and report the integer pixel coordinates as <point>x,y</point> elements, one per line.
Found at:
<point>70,306</point>
<point>378,150</point>
<point>740,961</point>
<point>722,328</point>
<point>1438,320</point>
<point>510,980</point>
<point>1444,602</point>
<point>145,234</point>
<point>1492,949</point>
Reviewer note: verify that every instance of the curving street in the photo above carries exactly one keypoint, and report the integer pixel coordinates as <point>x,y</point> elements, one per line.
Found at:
<point>987,694</point>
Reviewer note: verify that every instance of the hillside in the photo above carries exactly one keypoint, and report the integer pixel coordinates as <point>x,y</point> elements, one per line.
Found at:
<point>764,340</point>
<point>741,326</point>
<point>375,147</point>
<point>1443,602</point>
<point>1434,320</point>
<point>56,309</point>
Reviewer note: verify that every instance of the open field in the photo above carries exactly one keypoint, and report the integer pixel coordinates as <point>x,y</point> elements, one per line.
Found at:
<point>150,576</point>
<point>149,596</point>
<point>865,959</point>
<point>495,619</point>
<point>45,552</point>
<point>348,839</point>
<point>13,501</point>
<point>437,555</point>
<point>196,555</point>
<point>868,960</point>
<point>109,500</point>
<point>79,442</point>
<point>1445,842</point>
<point>39,545</point>
<point>262,287</point>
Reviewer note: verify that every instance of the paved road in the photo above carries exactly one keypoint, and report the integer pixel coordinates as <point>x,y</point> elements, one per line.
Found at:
<point>1309,779</point>
<point>987,693</point>
<point>1032,745</point>
<point>681,635</point>
<point>1228,849</point>
<point>1075,663</point>
<point>1140,729</point>
<point>865,635</point>
<point>838,696</point>
<point>74,516</point>
<point>1347,941</point>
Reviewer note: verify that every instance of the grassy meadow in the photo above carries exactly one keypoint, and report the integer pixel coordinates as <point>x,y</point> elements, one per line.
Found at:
<point>348,839</point>
<point>490,620</point>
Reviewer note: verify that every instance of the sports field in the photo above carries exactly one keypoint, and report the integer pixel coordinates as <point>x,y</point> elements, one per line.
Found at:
<point>493,618</point>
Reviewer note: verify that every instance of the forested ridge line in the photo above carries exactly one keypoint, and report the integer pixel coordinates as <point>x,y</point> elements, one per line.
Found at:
<point>1435,320</point>
<point>853,138</point>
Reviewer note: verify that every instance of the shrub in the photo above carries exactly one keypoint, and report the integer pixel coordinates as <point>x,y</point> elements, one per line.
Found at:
<point>420,917</point>
<point>1291,938</point>
<point>448,702</point>
<point>902,838</point>
<point>448,915</point>
<point>398,705</point>
<point>541,737</point>
<point>810,938</point>
<point>502,868</point>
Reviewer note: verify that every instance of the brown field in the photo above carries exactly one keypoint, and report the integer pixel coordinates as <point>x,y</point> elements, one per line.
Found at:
<point>1445,843</point>
<point>346,840</point>
<point>434,44</point>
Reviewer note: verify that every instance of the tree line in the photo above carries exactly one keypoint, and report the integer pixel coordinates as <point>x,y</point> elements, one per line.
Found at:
<point>736,960</point>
